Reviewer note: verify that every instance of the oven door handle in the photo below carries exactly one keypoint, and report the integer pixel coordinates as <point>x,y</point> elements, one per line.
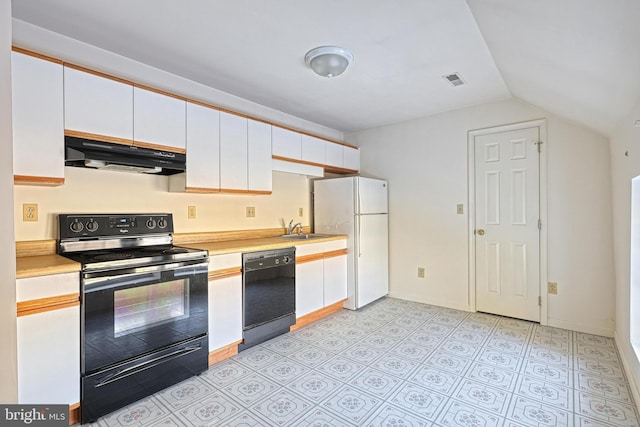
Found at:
<point>146,365</point>
<point>102,282</point>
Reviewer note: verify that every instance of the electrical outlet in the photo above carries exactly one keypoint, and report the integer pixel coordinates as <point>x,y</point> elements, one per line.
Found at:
<point>300,212</point>
<point>30,212</point>
<point>552,288</point>
<point>460,209</point>
<point>251,212</point>
<point>421,272</point>
<point>191,212</point>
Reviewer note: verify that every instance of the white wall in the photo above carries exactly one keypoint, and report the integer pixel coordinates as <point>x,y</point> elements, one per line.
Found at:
<point>624,168</point>
<point>8,358</point>
<point>425,161</point>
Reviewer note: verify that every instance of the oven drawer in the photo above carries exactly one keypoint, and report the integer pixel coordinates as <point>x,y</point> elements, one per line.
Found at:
<point>110,389</point>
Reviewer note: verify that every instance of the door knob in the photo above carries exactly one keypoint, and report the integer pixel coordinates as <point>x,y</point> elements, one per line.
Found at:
<point>481,232</point>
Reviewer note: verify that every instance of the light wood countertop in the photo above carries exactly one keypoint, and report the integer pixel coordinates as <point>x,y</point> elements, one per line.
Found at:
<point>43,265</point>
<point>265,243</point>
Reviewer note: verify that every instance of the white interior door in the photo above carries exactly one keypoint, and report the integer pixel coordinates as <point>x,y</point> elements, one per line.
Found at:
<point>507,214</point>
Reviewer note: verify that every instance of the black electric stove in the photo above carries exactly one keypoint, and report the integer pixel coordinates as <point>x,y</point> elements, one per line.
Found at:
<point>144,307</point>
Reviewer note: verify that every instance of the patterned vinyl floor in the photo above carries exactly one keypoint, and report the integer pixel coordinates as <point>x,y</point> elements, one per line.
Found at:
<point>399,363</point>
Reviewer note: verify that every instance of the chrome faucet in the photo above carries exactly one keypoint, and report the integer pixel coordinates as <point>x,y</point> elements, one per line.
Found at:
<point>293,226</point>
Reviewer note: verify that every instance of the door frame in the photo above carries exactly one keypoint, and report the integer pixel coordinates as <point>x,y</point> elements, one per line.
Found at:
<point>471,135</point>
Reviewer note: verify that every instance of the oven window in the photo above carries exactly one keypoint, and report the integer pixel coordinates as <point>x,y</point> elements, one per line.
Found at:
<point>136,309</point>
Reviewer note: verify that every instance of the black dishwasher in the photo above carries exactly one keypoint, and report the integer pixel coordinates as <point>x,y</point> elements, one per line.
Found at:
<point>268,295</point>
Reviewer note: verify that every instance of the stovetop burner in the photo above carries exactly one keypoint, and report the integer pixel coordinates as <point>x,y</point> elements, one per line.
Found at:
<point>105,242</point>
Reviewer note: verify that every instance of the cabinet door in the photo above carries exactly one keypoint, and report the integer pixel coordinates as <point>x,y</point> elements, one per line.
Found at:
<point>335,156</point>
<point>309,287</point>
<point>351,158</point>
<point>259,161</point>
<point>49,357</point>
<point>335,279</point>
<point>37,106</point>
<point>233,153</point>
<point>225,312</point>
<point>97,105</point>
<point>159,119</point>
<point>203,147</point>
<point>313,149</point>
<point>286,143</point>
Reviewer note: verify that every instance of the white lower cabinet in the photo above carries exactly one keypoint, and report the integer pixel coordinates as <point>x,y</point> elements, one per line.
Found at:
<point>309,287</point>
<point>225,312</point>
<point>335,279</point>
<point>225,302</point>
<point>49,357</point>
<point>320,282</point>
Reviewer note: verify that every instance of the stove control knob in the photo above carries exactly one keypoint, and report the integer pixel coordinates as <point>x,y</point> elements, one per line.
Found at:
<point>287,259</point>
<point>151,223</point>
<point>92,226</point>
<point>162,223</point>
<point>76,226</point>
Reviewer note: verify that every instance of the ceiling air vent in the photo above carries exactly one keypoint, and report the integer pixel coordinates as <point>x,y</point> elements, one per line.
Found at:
<point>454,79</point>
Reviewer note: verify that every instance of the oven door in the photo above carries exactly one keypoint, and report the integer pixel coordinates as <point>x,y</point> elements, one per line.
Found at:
<point>128,313</point>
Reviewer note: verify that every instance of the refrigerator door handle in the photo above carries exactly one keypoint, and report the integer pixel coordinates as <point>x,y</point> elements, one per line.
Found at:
<point>359,236</point>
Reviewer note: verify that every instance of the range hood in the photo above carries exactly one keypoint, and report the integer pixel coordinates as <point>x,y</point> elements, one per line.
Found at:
<point>86,153</point>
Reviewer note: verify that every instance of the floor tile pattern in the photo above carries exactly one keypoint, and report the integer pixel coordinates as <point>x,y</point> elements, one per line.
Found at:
<point>399,363</point>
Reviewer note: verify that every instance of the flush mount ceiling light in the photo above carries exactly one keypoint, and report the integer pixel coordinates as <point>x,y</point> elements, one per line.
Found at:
<point>328,61</point>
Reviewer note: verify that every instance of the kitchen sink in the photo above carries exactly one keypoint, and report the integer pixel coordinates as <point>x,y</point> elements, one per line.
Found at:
<point>304,236</point>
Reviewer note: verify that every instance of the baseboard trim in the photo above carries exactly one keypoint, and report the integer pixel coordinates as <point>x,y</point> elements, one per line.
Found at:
<point>74,414</point>
<point>587,329</point>
<point>223,353</point>
<point>439,303</point>
<point>317,315</point>
<point>633,385</point>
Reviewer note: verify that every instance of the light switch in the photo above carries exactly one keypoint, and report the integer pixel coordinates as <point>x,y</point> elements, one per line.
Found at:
<point>460,209</point>
<point>191,212</point>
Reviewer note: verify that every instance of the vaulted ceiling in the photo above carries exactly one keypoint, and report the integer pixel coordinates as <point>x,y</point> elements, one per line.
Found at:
<point>576,58</point>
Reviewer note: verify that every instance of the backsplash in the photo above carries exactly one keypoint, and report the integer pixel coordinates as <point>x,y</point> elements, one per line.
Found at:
<point>88,191</point>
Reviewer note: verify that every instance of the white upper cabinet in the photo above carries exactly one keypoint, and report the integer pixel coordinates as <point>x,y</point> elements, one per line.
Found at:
<point>203,152</point>
<point>286,143</point>
<point>343,157</point>
<point>97,105</point>
<point>351,158</point>
<point>233,153</point>
<point>37,106</point>
<point>335,155</point>
<point>159,119</point>
<point>259,156</point>
<point>313,149</point>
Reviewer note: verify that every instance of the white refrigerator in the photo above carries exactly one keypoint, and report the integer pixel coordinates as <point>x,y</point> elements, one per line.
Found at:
<point>357,206</point>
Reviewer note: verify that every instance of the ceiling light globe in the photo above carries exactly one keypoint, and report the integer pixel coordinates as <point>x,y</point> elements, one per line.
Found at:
<point>328,61</point>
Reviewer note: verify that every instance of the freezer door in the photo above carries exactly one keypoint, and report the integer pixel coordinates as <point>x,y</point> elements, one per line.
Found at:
<point>371,196</point>
<point>371,258</point>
